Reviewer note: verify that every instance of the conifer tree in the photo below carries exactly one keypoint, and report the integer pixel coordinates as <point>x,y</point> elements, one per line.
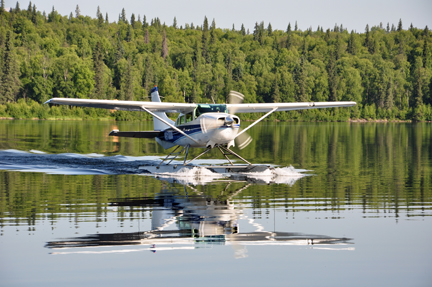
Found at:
<point>304,48</point>
<point>205,25</point>
<point>337,48</point>
<point>129,33</point>
<point>123,15</point>
<point>256,32</point>
<point>77,12</point>
<point>145,24</point>
<point>300,80</point>
<point>296,27</point>
<point>132,21</point>
<point>17,7</point>
<point>400,25</point>
<point>99,16</point>
<point>34,15</point>
<point>269,29</point>
<point>164,46</point>
<point>327,36</point>
<point>52,15</point>
<point>288,42</point>
<point>106,18</point>
<point>275,93</point>
<point>204,39</point>
<point>388,104</point>
<point>2,10</point>
<point>212,37</point>
<point>99,69</point>
<point>175,23</point>
<point>368,41</point>
<point>350,44</point>
<point>119,53</point>
<point>126,91</point>
<point>148,77</point>
<point>10,82</point>
<point>242,30</point>
<point>289,28</point>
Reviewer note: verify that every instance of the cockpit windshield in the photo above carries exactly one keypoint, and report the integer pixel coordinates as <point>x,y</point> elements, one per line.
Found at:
<point>210,108</point>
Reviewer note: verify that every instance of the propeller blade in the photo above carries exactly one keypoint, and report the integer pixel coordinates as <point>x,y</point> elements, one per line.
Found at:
<point>235,98</point>
<point>209,124</point>
<point>243,140</point>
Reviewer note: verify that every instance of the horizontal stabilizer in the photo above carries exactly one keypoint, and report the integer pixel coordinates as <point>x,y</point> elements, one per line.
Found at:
<point>146,134</point>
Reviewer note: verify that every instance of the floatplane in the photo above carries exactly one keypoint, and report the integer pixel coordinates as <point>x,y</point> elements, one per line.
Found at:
<point>206,126</point>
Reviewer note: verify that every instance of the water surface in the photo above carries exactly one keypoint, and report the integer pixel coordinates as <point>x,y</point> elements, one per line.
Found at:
<point>75,210</point>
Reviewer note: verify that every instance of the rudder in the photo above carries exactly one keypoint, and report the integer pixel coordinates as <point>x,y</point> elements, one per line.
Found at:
<point>158,124</point>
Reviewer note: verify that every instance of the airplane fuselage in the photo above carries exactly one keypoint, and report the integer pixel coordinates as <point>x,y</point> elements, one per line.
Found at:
<point>207,129</point>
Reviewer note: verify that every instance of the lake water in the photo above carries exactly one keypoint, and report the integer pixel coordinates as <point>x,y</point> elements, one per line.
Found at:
<point>351,206</point>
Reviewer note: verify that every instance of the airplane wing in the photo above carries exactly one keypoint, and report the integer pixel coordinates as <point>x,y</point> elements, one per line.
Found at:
<point>126,105</point>
<point>186,108</point>
<point>281,107</point>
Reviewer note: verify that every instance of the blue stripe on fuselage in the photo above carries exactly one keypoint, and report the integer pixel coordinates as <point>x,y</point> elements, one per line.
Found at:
<point>189,130</point>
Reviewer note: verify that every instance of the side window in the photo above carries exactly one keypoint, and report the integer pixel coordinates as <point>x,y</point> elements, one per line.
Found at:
<point>188,117</point>
<point>182,120</point>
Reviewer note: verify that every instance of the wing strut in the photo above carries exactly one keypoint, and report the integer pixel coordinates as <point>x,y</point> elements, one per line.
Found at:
<point>257,121</point>
<point>172,126</point>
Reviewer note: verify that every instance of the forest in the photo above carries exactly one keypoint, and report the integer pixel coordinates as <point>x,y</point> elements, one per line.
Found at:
<point>386,69</point>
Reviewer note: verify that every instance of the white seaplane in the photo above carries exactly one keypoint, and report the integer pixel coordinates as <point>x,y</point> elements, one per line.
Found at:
<point>198,125</point>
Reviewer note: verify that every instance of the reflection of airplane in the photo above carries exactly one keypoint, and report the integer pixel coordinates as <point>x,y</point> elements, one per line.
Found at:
<point>198,125</point>
<point>193,221</point>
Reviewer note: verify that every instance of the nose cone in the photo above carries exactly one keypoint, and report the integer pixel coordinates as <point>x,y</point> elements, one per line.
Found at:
<point>219,128</point>
<point>224,134</point>
<point>229,121</point>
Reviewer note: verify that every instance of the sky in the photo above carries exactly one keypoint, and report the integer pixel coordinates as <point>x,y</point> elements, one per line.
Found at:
<point>353,15</point>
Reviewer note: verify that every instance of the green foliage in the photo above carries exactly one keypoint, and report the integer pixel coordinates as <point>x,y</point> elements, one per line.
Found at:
<point>83,57</point>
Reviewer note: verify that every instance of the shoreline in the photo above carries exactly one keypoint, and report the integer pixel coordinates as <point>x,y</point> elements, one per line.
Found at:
<point>276,120</point>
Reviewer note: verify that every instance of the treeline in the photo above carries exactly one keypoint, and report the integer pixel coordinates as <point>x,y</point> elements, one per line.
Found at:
<point>386,70</point>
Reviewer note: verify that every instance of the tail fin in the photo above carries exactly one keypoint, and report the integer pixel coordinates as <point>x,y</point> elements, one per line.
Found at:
<point>158,124</point>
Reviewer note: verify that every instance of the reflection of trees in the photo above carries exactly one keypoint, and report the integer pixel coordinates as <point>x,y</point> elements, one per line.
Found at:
<point>380,166</point>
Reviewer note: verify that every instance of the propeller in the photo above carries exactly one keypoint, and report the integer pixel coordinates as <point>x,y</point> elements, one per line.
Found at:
<point>243,139</point>
<point>208,124</point>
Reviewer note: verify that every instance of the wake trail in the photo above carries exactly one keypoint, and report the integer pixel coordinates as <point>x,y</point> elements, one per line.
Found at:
<point>91,164</point>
